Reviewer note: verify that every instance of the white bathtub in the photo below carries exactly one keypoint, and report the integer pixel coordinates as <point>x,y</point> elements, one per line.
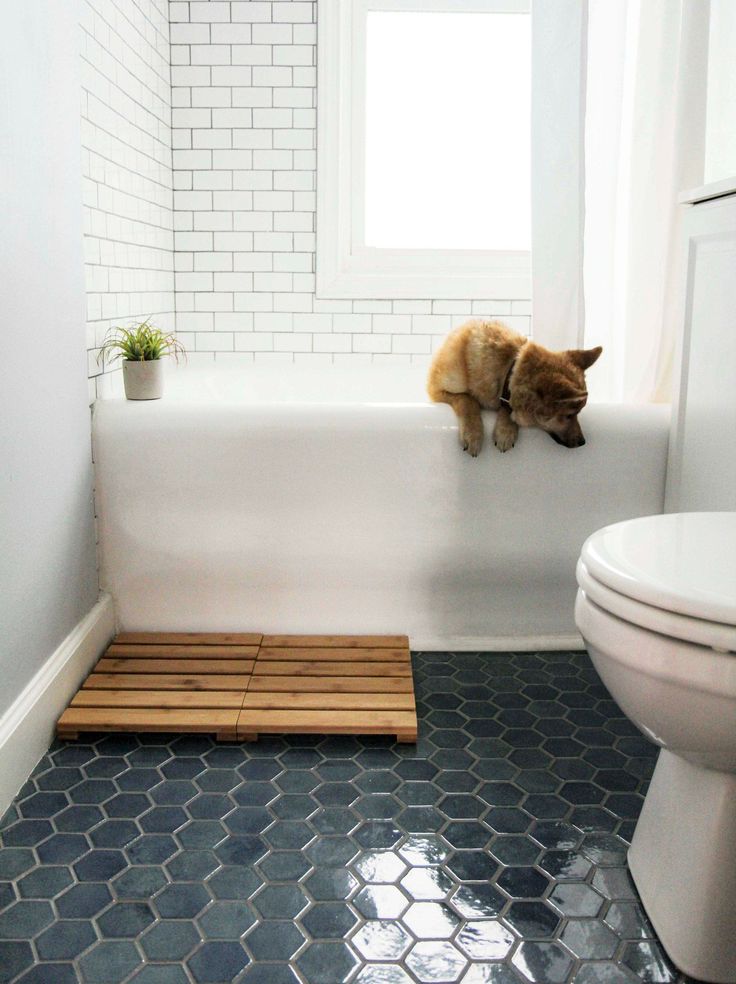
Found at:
<point>290,499</point>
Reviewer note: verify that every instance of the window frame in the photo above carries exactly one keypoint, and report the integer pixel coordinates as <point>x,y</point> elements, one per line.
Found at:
<point>346,267</point>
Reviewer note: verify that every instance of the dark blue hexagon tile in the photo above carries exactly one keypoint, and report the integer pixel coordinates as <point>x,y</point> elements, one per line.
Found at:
<point>492,852</point>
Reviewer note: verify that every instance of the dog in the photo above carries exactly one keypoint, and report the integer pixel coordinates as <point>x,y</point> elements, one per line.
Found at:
<point>485,365</point>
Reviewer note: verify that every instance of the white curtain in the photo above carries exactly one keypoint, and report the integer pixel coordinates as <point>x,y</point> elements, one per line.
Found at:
<point>558,187</point>
<point>638,130</point>
<point>644,142</point>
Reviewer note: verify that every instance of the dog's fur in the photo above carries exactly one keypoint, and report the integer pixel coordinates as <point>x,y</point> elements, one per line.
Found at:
<point>545,389</point>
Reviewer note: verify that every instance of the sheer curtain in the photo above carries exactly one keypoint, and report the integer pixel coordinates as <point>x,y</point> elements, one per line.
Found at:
<point>644,143</point>
<point>638,130</point>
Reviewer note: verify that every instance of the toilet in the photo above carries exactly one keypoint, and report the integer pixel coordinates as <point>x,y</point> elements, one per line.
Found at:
<point>656,607</point>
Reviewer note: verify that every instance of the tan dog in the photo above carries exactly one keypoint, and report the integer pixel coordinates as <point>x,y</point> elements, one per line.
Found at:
<point>485,365</point>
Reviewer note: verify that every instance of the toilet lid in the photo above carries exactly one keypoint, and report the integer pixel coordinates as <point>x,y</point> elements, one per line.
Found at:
<point>684,563</point>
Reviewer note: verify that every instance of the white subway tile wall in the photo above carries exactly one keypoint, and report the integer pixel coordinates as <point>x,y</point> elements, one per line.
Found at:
<point>199,163</point>
<point>244,122</point>
<point>126,171</point>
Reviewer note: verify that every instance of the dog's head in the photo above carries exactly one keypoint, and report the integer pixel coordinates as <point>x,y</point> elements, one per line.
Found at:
<point>549,391</point>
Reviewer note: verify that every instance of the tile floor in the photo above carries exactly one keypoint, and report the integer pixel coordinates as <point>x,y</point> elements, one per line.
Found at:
<point>493,852</point>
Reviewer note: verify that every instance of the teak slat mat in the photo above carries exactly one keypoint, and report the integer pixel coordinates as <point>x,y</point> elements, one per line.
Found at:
<point>238,685</point>
<point>158,681</point>
<point>331,685</point>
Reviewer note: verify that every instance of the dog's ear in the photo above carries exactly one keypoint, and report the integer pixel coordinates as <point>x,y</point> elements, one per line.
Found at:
<point>584,358</point>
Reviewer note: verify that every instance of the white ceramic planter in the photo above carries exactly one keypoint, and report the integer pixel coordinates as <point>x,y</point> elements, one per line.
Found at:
<point>144,380</point>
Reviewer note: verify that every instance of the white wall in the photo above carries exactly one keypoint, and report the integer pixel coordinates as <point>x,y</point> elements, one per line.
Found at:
<point>126,164</point>
<point>48,577</point>
<point>243,116</point>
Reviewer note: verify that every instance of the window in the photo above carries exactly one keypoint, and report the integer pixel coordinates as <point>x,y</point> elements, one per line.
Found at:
<point>424,148</point>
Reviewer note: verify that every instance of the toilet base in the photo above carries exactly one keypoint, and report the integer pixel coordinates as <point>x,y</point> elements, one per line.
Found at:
<point>683,862</point>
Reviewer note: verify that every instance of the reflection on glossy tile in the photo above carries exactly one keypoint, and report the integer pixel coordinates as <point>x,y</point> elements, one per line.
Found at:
<point>649,961</point>
<point>490,973</point>
<point>423,851</point>
<point>382,940</point>
<point>431,920</point>
<point>485,940</point>
<point>535,920</point>
<point>380,866</point>
<point>576,899</point>
<point>436,961</point>
<point>425,884</point>
<point>385,974</point>
<point>543,963</point>
<point>478,901</point>
<point>380,902</point>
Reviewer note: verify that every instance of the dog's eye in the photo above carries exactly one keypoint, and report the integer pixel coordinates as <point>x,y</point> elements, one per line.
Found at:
<point>570,416</point>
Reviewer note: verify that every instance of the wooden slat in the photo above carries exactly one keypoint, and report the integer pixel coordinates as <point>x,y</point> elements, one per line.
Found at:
<point>332,669</point>
<point>334,654</point>
<point>180,666</point>
<point>332,684</point>
<point>182,652</point>
<point>326,722</point>
<point>169,681</point>
<point>190,638</point>
<point>284,700</point>
<point>339,642</point>
<point>147,719</point>
<point>159,698</point>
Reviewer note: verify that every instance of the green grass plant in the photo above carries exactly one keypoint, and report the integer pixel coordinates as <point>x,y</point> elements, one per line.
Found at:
<point>142,342</point>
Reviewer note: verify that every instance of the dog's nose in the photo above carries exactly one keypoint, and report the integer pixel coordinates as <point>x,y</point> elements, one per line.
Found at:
<point>581,441</point>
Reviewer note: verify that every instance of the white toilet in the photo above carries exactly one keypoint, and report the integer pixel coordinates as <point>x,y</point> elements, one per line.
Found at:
<point>656,607</point>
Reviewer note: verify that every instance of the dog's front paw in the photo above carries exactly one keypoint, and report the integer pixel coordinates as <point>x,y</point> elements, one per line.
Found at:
<point>471,440</point>
<point>505,437</point>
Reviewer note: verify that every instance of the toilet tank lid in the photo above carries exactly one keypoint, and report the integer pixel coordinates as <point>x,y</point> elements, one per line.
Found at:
<point>681,562</point>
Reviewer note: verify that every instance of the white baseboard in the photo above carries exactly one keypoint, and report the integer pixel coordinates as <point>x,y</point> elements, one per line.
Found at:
<point>497,644</point>
<point>27,727</point>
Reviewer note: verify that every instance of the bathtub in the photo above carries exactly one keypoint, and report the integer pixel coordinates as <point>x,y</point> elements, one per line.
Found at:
<point>337,500</point>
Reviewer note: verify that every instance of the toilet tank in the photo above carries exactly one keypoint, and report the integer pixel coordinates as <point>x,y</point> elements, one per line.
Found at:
<point>701,473</point>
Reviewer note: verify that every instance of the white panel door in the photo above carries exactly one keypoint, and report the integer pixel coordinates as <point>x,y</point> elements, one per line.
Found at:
<point>702,463</point>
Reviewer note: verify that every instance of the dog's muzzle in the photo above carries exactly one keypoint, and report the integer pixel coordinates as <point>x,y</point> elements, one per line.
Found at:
<point>577,442</point>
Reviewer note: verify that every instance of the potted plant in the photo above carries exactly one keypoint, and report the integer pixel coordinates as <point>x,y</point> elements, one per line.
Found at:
<point>141,348</point>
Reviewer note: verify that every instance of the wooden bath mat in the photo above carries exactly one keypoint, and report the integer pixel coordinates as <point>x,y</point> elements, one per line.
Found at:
<point>331,685</point>
<point>240,685</point>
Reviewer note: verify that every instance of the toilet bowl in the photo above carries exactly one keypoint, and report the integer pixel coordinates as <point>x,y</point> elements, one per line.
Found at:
<point>656,607</point>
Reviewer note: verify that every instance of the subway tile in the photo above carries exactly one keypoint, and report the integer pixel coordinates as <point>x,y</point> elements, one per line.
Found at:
<point>253,261</point>
<point>253,139</point>
<point>209,10</point>
<point>293,54</point>
<point>211,96</point>
<point>235,321</point>
<point>272,76</point>
<point>213,221</point>
<point>230,159</point>
<point>256,95</point>
<point>254,221</point>
<point>194,34</point>
<point>251,54</point>
<point>254,302</point>
<point>252,11</point>
<point>272,33</point>
<point>252,180</point>
<point>292,12</point>
<point>232,34</point>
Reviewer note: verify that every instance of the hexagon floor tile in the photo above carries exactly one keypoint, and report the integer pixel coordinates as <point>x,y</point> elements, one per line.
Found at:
<point>492,851</point>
